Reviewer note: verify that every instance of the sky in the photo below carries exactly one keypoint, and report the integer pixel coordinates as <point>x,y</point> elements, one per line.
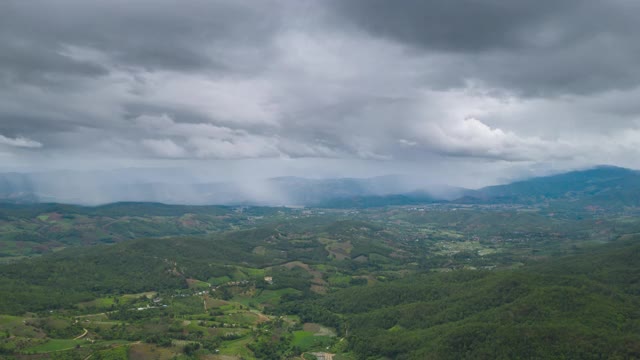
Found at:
<point>468,92</point>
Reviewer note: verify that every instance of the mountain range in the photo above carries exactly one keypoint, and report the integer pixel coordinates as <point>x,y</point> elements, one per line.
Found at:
<point>602,186</point>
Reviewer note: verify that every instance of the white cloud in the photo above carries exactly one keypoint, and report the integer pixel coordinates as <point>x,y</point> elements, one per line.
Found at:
<point>164,148</point>
<point>165,125</point>
<point>228,100</point>
<point>208,141</point>
<point>19,142</point>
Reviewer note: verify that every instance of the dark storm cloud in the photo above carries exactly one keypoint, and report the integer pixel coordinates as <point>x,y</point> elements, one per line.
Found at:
<point>22,61</point>
<point>147,34</point>
<point>465,26</point>
<point>532,47</point>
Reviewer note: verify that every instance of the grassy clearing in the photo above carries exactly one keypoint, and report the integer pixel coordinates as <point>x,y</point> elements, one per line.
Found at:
<point>197,284</point>
<point>345,356</point>
<point>266,297</point>
<point>119,353</point>
<point>226,331</point>
<point>339,280</point>
<point>187,305</point>
<point>339,250</point>
<point>10,320</point>
<point>215,303</point>
<point>306,341</point>
<point>241,318</point>
<point>260,250</point>
<point>55,345</point>
<point>99,303</point>
<point>449,248</point>
<point>219,280</point>
<point>237,348</point>
<point>147,351</point>
<point>253,272</point>
<point>148,295</point>
<point>16,326</point>
<point>318,330</point>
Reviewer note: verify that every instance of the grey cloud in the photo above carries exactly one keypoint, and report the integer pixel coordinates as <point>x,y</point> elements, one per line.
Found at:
<point>22,62</point>
<point>208,141</point>
<point>465,26</point>
<point>532,48</point>
<point>378,82</point>
<point>150,35</point>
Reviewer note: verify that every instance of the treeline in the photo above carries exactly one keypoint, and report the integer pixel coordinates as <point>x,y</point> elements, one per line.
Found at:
<point>115,209</point>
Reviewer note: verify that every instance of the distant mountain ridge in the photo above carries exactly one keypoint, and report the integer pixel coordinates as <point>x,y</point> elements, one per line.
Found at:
<point>599,186</point>
<point>293,191</point>
<point>602,186</point>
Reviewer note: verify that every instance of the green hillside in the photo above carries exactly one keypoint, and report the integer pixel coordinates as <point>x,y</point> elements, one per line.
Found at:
<point>605,186</point>
<point>582,307</point>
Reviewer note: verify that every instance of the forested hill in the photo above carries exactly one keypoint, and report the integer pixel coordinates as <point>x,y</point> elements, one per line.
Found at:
<point>604,186</point>
<point>63,279</point>
<point>580,307</point>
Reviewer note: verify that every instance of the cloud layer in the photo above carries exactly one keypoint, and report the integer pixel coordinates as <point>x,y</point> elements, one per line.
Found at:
<point>505,83</point>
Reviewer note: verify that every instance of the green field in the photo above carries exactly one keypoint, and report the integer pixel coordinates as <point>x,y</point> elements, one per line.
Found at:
<point>53,345</point>
<point>265,297</point>
<point>307,341</point>
<point>237,348</point>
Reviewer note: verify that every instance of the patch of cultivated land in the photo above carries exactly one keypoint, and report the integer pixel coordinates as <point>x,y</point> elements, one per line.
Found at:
<point>339,250</point>
<point>318,284</point>
<point>147,351</point>
<point>54,345</point>
<point>237,348</point>
<point>318,330</point>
